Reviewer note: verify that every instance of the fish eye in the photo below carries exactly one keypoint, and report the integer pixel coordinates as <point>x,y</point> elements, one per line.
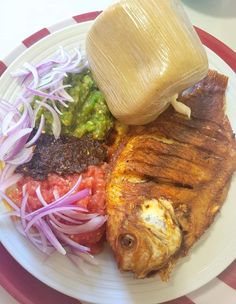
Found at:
<point>127,241</point>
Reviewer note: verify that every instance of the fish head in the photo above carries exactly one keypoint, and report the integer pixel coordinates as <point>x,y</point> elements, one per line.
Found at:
<point>146,238</point>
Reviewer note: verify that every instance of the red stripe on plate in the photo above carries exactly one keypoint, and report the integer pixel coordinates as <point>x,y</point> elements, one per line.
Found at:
<point>181,300</point>
<point>3,67</point>
<point>35,37</point>
<point>221,49</point>
<point>228,276</point>
<point>86,17</point>
<point>24,287</point>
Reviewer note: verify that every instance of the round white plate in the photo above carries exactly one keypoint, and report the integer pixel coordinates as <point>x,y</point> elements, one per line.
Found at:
<point>105,284</point>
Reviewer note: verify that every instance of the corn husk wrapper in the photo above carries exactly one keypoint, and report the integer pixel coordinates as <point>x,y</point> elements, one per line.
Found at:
<point>142,53</point>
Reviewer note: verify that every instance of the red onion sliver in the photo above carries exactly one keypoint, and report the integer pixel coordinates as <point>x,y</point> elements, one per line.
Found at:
<point>61,225</point>
<point>7,121</point>
<point>10,181</point>
<point>74,198</point>
<point>67,218</point>
<point>42,237</point>
<point>56,125</point>
<point>71,214</point>
<point>9,214</point>
<point>23,210</point>
<point>23,157</point>
<point>38,133</point>
<point>43,94</point>
<point>40,197</point>
<point>34,72</point>
<point>55,79</point>
<point>51,237</point>
<point>70,242</point>
<point>47,212</point>
<point>79,216</point>
<point>76,185</point>
<point>91,225</point>
<point>23,121</point>
<point>11,142</point>
<point>56,108</point>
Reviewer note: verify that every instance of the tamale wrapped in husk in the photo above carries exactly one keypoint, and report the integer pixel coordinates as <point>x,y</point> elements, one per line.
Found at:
<point>142,53</point>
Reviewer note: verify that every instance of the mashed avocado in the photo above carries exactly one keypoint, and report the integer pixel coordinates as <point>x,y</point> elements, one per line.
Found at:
<point>87,114</point>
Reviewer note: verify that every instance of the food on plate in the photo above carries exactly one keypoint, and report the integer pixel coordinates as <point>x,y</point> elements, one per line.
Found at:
<point>150,180</point>
<point>53,206</point>
<point>142,54</point>
<point>89,219</point>
<point>66,155</point>
<point>87,114</point>
<point>169,179</point>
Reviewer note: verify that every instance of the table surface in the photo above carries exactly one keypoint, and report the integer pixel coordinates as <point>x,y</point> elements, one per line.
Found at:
<point>19,19</point>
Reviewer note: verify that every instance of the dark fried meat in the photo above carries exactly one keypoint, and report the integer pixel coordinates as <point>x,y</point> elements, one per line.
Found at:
<point>188,162</point>
<point>65,155</point>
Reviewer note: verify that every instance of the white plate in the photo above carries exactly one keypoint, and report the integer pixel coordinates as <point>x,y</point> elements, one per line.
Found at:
<point>105,284</point>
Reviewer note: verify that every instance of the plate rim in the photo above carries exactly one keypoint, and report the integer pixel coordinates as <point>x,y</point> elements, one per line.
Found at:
<point>218,47</point>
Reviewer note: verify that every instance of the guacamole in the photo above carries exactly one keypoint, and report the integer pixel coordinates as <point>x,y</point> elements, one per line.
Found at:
<point>87,114</point>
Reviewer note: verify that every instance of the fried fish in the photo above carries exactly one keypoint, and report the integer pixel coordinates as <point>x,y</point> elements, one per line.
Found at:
<point>168,180</point>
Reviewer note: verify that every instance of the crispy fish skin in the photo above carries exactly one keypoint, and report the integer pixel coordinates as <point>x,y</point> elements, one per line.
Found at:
<point>168,180</point>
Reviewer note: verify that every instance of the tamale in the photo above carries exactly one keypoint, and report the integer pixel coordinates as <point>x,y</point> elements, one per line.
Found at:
<point>142,53</point>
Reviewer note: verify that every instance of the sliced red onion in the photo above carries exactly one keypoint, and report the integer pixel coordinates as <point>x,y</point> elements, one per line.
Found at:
<point>45,80</point>
<point>7,121</point>
<point>37,134</point>
<point>70,242</point>
<point>17,128</point>
<point>34,72</point>
<point>34,236</point>
<point>56,108</point>
<point>51,237</point>
<point>4,185</point>
<point>67,218</point>
<point>57,222</point>
<point>23,121</point>
<point>74,198</point>
<point>47,212</point>
<point>49,96</point>
<point>43,227</point>
<point>40,197</point>
<point>71,214</point>
<point>73,189</point>
<point>23,209</point>
<point>10,144</point>
<point>56,194</point>
<point>80,216</point>
<point>42,237</point>
<point>91,225</point>
<point>56,125</point>
<point>23,157</point>
<point>7,214</point>
<point>51,80</point>
<point>6,107</point>
<point>61,204</point>
<point>6,172</point>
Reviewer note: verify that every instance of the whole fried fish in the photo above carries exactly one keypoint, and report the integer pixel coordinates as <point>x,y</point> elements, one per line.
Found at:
<point>168,179</point>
